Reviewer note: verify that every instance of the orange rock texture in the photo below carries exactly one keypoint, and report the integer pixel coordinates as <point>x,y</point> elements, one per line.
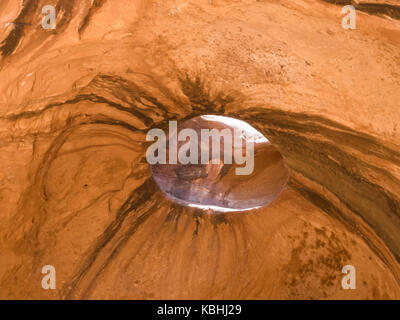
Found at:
<point>77,192</point>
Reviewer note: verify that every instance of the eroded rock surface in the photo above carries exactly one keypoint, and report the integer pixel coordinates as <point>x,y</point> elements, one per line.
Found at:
<point>77,193</point>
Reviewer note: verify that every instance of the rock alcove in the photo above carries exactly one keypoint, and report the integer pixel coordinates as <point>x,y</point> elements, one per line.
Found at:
<point>245,176</point>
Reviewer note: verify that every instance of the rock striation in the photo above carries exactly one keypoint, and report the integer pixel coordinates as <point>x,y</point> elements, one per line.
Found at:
<point>77,193</point>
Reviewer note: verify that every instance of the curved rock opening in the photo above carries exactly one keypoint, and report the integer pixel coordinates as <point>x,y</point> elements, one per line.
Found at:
<point>219,163</point>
